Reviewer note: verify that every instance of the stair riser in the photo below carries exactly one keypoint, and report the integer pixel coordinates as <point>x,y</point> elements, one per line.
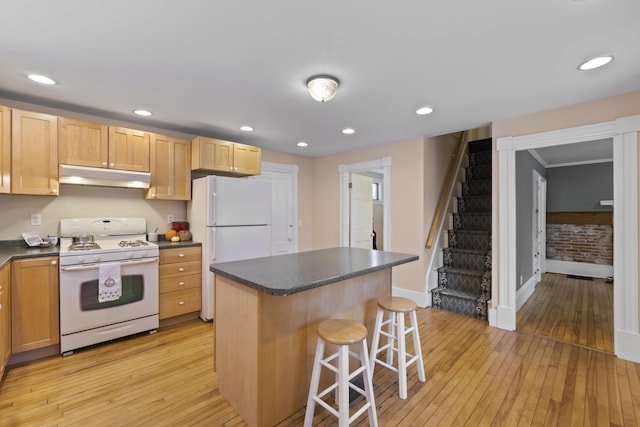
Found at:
<point>460,282</point>
<point>482,158</point>
<point>466,240</point>
<point>461,306</point>
<point>478,172</point>
<point>472,222</point>
<point>466,261</point>
<point>476,188</point>
<point>474,205</point>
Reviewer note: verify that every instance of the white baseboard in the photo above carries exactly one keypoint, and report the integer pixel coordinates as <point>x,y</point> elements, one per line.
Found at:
<point>578,268</point>
<point>525,291</point>
<point>492,314</point>
<point>422,299</point>
<point>505,318</point>
<point>627,346</point>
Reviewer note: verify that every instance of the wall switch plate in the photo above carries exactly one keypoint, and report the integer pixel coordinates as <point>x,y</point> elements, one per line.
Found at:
<point>36,219</point>
<point>169,219</point>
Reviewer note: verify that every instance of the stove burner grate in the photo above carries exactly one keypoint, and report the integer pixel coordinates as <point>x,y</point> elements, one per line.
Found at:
<point>83,246</point>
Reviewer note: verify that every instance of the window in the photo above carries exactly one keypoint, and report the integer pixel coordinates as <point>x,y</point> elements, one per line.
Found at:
<point>375,195</point>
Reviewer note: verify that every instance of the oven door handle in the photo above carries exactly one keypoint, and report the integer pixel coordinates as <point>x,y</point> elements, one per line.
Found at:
<point>95,266</point>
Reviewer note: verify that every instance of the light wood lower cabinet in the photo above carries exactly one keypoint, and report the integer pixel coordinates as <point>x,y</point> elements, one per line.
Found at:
<point>5,317</point>
<point>35,322</point>
<point>180,281</point>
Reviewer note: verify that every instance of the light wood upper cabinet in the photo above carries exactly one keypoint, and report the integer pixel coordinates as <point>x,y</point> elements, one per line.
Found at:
<point>5,317</point>
<point>5,149</point>
<point>246,159</point>
<point>83,143</point>
<point>227,158</point>
<point>129,149</point>
<point>35,322</point>
<point>170,168</point>
<point>34,153</point>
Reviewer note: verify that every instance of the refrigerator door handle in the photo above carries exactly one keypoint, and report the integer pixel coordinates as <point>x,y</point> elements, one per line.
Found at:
<point>212,209</point>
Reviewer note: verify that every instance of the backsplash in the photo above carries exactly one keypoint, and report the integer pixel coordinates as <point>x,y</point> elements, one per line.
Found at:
<point>83,201</point>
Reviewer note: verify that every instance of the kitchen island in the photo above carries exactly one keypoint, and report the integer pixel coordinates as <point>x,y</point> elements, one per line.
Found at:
<point>267,311</point>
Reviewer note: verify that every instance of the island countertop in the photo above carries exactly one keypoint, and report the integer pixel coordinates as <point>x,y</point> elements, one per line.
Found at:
<point>291,273</point>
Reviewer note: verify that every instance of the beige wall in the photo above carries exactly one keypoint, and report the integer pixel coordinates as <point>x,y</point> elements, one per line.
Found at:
<point>77,201</point>
<point>305,193</point>
<point>598,111</point>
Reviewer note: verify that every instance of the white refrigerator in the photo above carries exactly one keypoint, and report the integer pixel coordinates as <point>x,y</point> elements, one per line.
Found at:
<point>231,217</point>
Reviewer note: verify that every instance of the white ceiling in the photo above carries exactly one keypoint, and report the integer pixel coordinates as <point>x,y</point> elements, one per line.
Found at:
<point>207,67</point>
<point>597,151</point>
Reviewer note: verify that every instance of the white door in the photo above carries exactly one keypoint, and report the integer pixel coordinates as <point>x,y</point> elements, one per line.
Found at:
<point>539,224</point>
<point>283,236</point>
<point>361,212</point>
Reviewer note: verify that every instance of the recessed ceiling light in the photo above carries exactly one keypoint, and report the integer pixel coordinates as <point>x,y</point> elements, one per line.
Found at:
<point>302,144</point>
<point>423,111</point>
<point>42,79</point>
<point>348,131</point>
<point>597,62</point>
<point>246,128</point>
<point>142,112</point>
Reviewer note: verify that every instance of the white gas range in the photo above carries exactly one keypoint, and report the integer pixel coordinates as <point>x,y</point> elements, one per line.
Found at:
<point>108,281</point>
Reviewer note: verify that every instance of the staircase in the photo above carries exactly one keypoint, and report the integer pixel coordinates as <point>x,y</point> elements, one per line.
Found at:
<point>464,281</point>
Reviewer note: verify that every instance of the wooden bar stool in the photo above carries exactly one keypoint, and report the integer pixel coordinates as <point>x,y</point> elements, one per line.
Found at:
<point>341,333</point>
<point>396,332</point>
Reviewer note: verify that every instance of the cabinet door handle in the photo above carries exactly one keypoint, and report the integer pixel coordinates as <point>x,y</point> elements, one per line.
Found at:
<point>181,303</point>
<point>112,165</point>
<point>54,262</point>
<point>181,269</point>
<point>54,191</point>
<point>181,284</point>
<point>180,255</point>
<point>104,163</point>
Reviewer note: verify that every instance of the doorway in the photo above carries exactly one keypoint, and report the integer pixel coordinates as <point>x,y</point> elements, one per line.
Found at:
<point>381,166</point>
<point>625,158</point>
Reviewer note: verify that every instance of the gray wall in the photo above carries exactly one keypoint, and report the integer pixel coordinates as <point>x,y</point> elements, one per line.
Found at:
<point>525,164</point>
<point>579,188</point>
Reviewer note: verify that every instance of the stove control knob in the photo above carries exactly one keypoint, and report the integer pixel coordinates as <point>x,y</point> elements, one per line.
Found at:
<point>80,259</point>
<point>129,255</point>
<point>97,258</point>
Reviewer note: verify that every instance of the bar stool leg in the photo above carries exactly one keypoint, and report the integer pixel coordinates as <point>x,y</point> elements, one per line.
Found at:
<point>368,384</point>
<point>402,357</point>
<point>376,339</point>
<point>315,382</point>
<point>416,346</point>
<point>343,385</point>
<point>393,339</point>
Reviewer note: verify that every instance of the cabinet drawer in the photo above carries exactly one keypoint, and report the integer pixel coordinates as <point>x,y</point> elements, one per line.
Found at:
<point>179,283</point>
<point>191,253</point>
<point>180,302</point>
<point>180,269</point>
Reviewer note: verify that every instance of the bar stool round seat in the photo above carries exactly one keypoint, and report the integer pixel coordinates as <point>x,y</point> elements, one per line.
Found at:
<point>341,333</point>
<point>397,307</point>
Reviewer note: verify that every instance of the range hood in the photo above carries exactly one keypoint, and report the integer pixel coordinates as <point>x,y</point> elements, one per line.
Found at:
<point>83,175</point>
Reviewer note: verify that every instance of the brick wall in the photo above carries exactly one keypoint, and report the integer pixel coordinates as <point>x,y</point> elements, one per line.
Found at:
<point>589,243</point>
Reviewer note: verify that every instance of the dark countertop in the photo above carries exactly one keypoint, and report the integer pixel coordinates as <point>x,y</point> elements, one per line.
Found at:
<point>18,249</point>
<point>287,274</point>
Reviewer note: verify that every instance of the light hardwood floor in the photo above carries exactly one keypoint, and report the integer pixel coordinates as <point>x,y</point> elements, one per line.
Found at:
<point>570,310</point>
<point>476,376</point>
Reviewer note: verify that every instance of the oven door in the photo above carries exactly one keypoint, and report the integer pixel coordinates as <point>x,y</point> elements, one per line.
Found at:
<point>79,306</point>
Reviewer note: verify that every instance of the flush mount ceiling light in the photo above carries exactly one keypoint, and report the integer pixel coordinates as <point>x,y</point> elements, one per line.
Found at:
<point>41,79</point>
<point>302,144</point>
<point>142,112</point>
<point>322,88</point>
<point>348,131</point>
<point>597,62</point>
<point>423,111</point>
<point>246,128</point>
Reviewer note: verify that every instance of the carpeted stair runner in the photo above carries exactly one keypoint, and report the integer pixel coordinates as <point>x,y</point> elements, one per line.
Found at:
<point>464,282</point>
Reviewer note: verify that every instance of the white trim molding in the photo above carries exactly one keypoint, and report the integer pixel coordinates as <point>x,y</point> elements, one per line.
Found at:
<point>624,132</point>
<point>579,268</point>
<point>420,298</point>
<point>525,291</point>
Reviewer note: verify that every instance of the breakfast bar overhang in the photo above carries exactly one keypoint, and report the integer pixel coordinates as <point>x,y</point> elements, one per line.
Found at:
<point>266,315</point>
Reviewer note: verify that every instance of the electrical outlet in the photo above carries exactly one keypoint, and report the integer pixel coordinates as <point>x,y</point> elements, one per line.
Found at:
<point>36,219</point>
<point>169,219</point>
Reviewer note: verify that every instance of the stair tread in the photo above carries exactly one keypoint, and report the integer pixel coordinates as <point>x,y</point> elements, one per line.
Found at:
<point>468,251</point>
<point>456,293</point>
<point>478,273</point>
